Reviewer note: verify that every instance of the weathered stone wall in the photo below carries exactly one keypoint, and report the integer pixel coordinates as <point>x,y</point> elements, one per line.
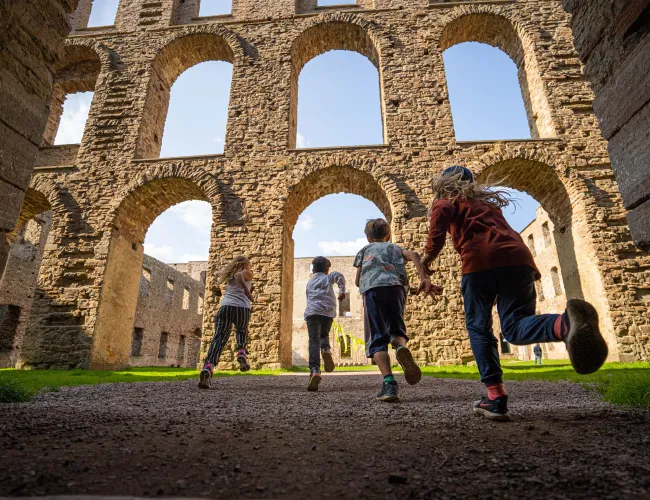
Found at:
<point>31,36</point>
<point>105,201</point>
<point>19,284</point>
<point>613,40</point>
<point>169,302</point>
<point>352,323</point>
<point>197,270</point>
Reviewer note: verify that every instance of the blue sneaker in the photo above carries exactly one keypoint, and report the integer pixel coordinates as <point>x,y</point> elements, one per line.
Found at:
<point>493,409</point>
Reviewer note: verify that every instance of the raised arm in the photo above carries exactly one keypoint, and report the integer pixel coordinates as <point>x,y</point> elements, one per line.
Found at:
<point>339,279</point>
<point>442,213</point>
<point>425,284</point>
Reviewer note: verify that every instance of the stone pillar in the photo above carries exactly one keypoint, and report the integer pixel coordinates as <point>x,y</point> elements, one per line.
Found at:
<point>613,40</point>
<point>24,96</point>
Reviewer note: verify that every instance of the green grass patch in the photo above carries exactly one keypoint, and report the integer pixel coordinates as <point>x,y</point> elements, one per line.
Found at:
<point>624,384</point>
<point>33,381</point>
<point>13,392</point>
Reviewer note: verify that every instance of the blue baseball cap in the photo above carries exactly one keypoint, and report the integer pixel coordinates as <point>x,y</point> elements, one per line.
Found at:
<point>467,173</point>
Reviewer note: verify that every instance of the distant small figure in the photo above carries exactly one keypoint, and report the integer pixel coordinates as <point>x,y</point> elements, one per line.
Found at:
<point>319,316</point>
<point>537,351</point>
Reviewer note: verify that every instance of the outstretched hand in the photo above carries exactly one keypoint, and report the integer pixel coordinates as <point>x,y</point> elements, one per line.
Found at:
<point>427,260</point>
<point>429,289</point>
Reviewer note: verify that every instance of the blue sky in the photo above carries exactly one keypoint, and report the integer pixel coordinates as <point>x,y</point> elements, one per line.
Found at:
<point>338,106</point>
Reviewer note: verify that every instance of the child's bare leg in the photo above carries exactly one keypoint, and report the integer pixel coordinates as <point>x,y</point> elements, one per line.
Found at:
<point>398,342</point>
<point>382,359</point>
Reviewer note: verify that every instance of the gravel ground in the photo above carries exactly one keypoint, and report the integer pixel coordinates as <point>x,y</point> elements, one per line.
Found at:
<point>266,437</point>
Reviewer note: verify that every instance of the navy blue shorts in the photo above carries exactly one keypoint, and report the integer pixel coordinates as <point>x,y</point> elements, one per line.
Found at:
<point>383,314</point>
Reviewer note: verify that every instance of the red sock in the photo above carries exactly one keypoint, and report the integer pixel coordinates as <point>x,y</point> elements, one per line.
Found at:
<point>495,391</point>
<point>560,328</point>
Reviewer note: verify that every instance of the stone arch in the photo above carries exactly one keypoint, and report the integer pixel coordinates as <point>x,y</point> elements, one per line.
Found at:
<point>150,194</point>
<point>338,31</point>
<point>479,23</point>
<point>178,53</point>
<point>319,182</point>
<point>20,281</point>
<point>78,70</point>
<point>561,194</point>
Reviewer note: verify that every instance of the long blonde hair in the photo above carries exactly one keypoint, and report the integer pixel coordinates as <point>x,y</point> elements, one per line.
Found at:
<point>455,186</point>
<point>226,273</point>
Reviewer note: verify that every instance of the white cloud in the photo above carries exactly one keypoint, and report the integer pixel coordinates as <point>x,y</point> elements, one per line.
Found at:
<point>197,214</point>
<point>73,119</point>
<point>160,252</point>
<point>342,247</point>
<point>301,142</point>
<point>305,222</point>
<point>218,140</point>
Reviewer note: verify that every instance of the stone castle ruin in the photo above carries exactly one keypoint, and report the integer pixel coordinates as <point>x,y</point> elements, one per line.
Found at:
<point>94,201</point>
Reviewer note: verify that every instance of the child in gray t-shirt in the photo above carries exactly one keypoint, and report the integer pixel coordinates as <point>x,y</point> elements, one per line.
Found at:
<point>382,279</point>
<point>319,315</point>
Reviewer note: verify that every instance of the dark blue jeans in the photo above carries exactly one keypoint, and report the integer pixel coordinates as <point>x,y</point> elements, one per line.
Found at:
<point>513,289</point>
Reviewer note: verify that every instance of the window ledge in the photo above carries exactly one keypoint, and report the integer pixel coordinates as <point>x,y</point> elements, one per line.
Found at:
<point>172,158</point>
<point>495,141</point>
<point>216,17</point>
<point>338,6</point>
<point>437,4</point>
<point>335,148</point>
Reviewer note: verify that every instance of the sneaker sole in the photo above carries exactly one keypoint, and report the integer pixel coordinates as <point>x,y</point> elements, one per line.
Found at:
<point>586,346</point>
<point>314,381</point>
<point>204,380</point>
<point>496,417</point>
<point>389,399</point>
<point>412,372</point>
<point>243,364</point>
<point>328,361</point>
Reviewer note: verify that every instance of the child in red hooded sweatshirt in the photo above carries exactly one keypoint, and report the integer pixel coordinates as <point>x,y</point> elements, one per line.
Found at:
<point>498,267</point>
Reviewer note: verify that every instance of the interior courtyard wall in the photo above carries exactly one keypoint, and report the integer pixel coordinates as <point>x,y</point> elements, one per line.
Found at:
<point>176,311</point>
<point>257,173</point>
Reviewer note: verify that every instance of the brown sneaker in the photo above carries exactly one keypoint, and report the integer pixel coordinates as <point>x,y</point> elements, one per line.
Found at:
<point>328,361</point>
<point>586,346</point>
<point>412,372</point>
<point>314,381</point>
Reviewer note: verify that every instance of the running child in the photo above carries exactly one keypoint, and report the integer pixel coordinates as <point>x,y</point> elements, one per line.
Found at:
<point>382,280</point>
<point>319,315</point>
<point>235,309</point>
<point>498,267</point>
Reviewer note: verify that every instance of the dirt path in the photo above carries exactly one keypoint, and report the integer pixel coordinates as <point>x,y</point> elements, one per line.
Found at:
<point>266,437</point>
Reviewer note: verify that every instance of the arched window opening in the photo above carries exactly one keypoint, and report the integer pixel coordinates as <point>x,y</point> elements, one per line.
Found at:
<point>498,32</point>
<point>158,250</point>
<point>103,13</point>
<point>333,227</point>
<point>339,102</point>
<point>531,245</point>
<point>209,8</point>
<point>198,111</point>
<point>73,118</point>
<point>338,95</point>
<point>484,93</point>
<point>546,233</point>
<point>171,287</point>
<point>557,285</point>
<point>542,204</point>
<point>74,85</point>
<point>206,88</point>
